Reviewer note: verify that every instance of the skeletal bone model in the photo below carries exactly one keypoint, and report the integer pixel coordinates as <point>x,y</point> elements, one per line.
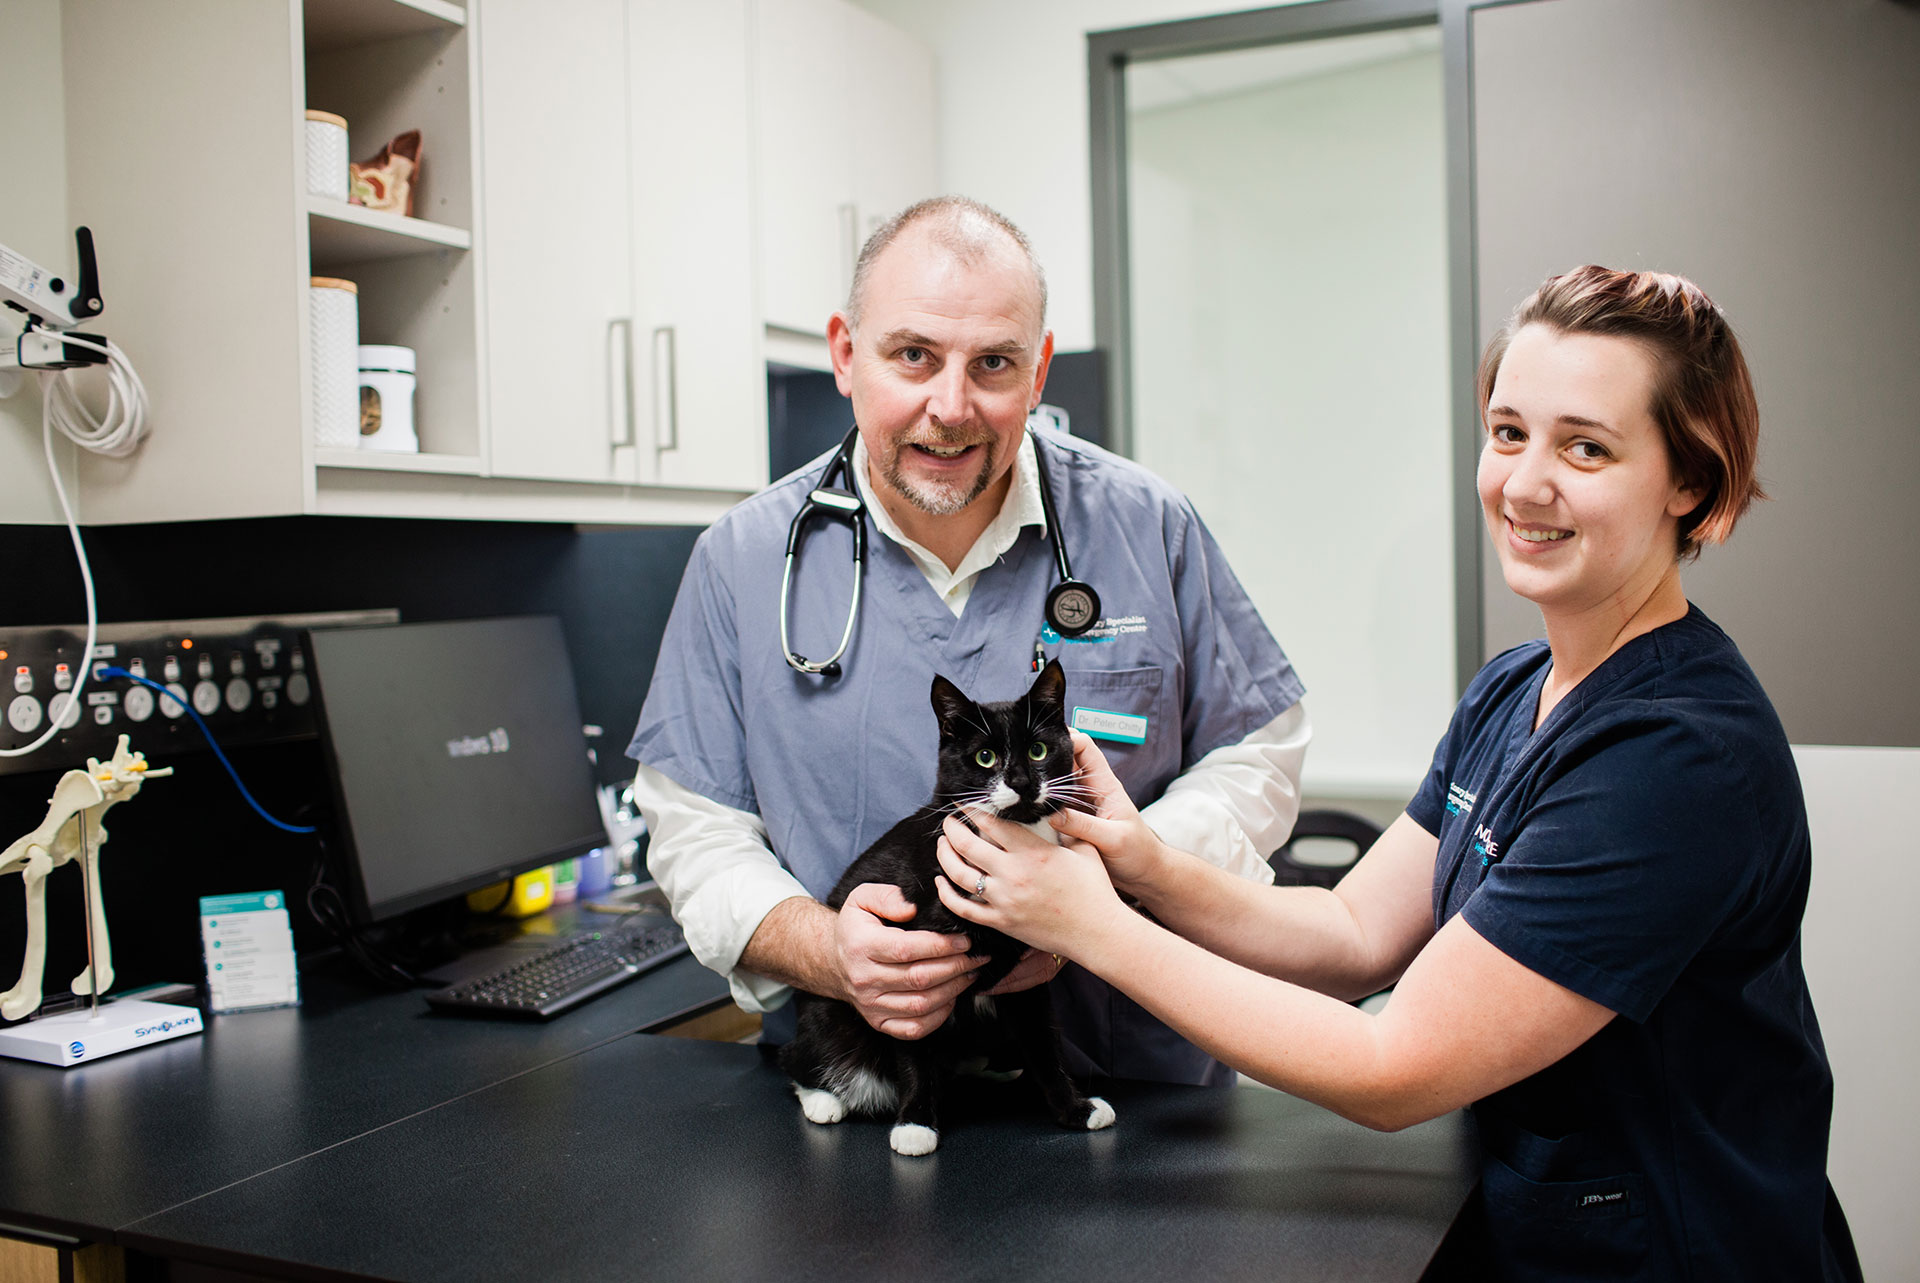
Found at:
<point>71,831</point>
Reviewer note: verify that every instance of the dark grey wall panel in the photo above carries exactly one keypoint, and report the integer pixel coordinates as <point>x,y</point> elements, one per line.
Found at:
<point>1765,148</point>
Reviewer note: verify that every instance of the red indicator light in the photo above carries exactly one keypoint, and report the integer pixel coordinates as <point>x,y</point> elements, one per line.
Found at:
<point>186,643</point>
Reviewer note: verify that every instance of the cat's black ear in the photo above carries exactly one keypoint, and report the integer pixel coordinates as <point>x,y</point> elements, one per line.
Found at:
<point>1049,689</point>
<point>949,705</point>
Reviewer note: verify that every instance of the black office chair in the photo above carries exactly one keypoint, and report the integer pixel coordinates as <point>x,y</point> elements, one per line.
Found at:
<point>1289,871</point>
<point>1344,825</point>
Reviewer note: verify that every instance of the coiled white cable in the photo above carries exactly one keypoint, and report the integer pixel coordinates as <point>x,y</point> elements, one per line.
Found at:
<point>116,435</point>
<point>119,432</point>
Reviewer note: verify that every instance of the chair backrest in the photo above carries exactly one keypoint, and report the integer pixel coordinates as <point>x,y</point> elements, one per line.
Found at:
<point>1862,955</point>
<point>1289,870</point>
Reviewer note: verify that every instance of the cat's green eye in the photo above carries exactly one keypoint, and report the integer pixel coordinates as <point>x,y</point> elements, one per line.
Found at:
<point>987,758</point>
<point>1037,752</point>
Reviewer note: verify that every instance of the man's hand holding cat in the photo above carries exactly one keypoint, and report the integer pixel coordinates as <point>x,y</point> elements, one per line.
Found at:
<point>1036,967</point>
<point>903,983</point>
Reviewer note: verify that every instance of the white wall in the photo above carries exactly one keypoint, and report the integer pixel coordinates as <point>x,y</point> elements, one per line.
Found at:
<point>1862,954</point>
<point>1289,282</point>
<point>33,216</point>
<point>1012,86</point>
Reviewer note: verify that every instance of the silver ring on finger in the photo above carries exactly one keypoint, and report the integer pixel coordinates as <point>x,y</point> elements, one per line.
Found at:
<point>980,887</point>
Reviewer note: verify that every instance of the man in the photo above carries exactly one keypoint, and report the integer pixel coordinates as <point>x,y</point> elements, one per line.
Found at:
<point>761,783</point>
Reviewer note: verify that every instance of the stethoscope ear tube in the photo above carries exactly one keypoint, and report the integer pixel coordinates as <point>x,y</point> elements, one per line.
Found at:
<point>840,503</point>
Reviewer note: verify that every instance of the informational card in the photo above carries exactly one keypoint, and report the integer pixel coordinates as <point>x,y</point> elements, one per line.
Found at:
<point>248,942</point>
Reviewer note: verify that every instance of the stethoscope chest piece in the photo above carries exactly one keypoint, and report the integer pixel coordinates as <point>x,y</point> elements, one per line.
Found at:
<point>1072,608</point>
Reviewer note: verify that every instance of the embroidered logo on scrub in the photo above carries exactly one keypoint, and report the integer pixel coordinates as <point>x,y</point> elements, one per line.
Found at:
<point>1459,801</point>
<point>1104,631</point>
<point>1484,846</point>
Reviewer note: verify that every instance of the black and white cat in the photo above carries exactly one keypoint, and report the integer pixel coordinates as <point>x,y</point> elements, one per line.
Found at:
<point>1013,760</point>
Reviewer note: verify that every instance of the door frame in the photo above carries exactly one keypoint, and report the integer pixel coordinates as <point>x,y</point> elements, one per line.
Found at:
<point>1109,53</point>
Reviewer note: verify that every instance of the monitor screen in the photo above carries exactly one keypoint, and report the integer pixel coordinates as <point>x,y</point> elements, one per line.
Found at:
<point>456,756</point>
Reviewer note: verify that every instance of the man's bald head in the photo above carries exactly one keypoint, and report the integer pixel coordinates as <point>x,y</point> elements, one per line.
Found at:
<point>959,225</point>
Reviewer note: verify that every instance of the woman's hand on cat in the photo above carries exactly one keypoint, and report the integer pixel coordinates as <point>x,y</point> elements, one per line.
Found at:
<point>1036,892</point>
<point>1132,851</point>
<point>903,983</point>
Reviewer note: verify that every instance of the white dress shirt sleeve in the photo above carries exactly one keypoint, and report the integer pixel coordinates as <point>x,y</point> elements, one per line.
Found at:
<point>720,877</point>
<point>1235,806</point>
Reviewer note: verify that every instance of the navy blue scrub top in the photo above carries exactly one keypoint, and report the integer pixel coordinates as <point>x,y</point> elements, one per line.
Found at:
<point>1647,848</point>
<point>831,764</point>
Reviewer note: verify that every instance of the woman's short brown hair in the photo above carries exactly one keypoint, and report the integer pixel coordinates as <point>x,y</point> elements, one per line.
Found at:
<point>1702,397</point>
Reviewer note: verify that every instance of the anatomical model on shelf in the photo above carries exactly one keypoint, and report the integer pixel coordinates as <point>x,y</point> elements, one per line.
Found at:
<point>71,832</point>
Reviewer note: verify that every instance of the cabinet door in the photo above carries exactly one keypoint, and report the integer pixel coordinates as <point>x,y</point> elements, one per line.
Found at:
<point>891,94</point>
<point>559,298</point>
<point>809,228</point>
<point>700,383</point>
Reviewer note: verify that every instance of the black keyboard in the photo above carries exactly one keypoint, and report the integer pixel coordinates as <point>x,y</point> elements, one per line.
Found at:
<point>561,977</point>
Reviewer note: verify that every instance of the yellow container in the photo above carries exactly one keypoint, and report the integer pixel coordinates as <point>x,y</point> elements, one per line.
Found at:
<point>531,893</point>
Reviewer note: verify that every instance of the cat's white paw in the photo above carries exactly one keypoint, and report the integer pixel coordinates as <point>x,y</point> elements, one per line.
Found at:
<point>913,1140</point>
<point>820,1106</point>
<point>1102,1115</point>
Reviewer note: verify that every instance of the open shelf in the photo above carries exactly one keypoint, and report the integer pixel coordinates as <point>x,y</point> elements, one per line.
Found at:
<point>343,233</point>
<point>341,24</point>
<point>394,461</point>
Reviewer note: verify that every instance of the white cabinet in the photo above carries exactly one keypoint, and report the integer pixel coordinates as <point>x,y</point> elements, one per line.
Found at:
<point>845,137</point>
<point>184,126</point>
<point>700,381</point>
<point>622,342</point>
<point>620,205</point>
<point>559,294</point>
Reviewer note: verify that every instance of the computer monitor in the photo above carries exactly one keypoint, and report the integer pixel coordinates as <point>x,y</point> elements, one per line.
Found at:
<point>455,754</point>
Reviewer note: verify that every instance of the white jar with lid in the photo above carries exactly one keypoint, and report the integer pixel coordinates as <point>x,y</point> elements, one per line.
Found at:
<point>327,155</point>
<point>386,398</point>
<point>333,313</point>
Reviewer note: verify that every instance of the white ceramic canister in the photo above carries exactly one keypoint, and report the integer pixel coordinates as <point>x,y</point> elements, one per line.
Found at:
<point>326,155</point>
<point>333,308</point>
<point>386,398</point>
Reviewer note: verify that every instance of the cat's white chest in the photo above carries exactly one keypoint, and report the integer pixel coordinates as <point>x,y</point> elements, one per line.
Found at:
<point>1044,831</point>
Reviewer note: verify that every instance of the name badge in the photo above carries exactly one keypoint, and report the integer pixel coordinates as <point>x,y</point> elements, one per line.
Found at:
<point>1122,728</point>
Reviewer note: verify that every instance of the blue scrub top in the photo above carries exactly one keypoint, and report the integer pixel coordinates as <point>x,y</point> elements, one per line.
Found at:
<point>1647,848</point>
<point>830,764</point>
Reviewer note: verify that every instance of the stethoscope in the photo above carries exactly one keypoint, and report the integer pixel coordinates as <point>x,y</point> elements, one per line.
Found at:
<point>1072,607</point>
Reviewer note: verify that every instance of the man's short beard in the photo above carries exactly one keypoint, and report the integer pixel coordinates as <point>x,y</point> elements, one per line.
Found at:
<point>944,501</point>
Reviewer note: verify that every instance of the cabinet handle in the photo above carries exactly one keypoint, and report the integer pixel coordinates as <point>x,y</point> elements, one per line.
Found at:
<point>620,396</point>
<point>666,401</point>
<point>849,243</point>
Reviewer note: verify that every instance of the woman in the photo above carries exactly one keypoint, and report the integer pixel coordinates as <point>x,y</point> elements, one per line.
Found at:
<point>1590,913</point>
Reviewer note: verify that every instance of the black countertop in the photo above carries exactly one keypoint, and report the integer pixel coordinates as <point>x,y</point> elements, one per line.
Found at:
<point>91,1148</point>
<point>661,1158</point>
<point>362,1136</point>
